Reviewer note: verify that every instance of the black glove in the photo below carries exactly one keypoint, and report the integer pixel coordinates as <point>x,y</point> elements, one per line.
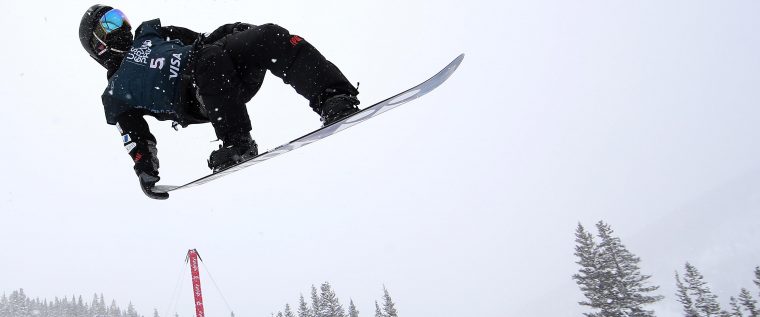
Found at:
<point>148,183</point>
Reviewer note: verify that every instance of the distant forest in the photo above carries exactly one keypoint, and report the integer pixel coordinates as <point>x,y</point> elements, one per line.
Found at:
<point>324,303</point>
<point>18,304</point>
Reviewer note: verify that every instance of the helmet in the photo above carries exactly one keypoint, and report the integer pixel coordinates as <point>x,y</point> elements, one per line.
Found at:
<point>105,33</point>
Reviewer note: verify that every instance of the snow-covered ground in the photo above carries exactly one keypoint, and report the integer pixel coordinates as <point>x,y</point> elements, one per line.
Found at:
<point>643,114</point>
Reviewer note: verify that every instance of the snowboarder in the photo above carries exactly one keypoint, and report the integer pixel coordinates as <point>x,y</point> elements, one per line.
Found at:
<point>173,73</point>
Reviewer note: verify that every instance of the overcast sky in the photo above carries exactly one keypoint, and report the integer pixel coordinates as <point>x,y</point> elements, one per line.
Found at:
<point>462,203</point>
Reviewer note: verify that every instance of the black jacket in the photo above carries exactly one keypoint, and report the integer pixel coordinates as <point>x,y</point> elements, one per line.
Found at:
<point>183,107</point>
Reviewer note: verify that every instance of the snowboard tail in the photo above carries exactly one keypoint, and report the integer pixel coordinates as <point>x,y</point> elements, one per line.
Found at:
<point>361,116</point>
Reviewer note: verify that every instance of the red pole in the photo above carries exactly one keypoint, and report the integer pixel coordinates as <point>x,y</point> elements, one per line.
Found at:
<point>192,255</point>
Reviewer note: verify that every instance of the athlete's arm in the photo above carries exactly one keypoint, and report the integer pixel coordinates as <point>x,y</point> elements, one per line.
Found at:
<point>141,146</point>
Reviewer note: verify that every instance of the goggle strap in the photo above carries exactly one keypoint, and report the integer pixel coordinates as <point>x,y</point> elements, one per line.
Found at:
<point>106,46</point>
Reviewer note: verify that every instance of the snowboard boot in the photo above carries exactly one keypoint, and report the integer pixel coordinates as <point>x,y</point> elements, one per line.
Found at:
<point>235,148</point>
<point>337,107</point>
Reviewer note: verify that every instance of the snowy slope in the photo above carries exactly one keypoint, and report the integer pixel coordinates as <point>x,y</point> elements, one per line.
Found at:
<point>462,203</point>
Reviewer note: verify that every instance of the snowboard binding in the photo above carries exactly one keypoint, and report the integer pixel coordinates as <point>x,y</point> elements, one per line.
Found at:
<point>338,107</point>
<point>230,155</point>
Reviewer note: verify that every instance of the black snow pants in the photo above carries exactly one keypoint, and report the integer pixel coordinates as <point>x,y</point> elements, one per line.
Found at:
<point>230,71</point>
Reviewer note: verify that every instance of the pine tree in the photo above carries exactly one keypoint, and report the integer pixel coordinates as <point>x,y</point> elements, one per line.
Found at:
<point>684,298</point>
<point>749,303</point>
<point>378,312</point>
<point>705,302</point>
<point>757,276</point>
<point>102,310</point>
<point>621,267</point>
<point>329,304</point>
<point>736,310</point>
<point>94,305</point>
<point>79,309</point>
<point>18,304</point>
<point>610,277</point>
<point>57,307</point>
<point>4,306</point>
<point>352,311</point>
<point>588,277</point>
<point>288,311</point>
<point>131,311</point>
<point>303,309</point>
<point>389,309</point>
<point>98,308</point>
<point>114,310</point>
<point>315,302</point>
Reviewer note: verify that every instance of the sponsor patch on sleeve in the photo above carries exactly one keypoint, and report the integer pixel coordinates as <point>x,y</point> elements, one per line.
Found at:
<point>130,147</point>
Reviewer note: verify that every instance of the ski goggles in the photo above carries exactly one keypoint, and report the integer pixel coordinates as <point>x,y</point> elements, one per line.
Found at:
<point>110,22</point>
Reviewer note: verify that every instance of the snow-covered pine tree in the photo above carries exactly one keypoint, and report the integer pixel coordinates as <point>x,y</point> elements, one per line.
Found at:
<point>79,309</point>
<point>352,311</point>
<point>757,277</point>
<point>748,303</point>
<point>303,309</point>
<point>288,311</point>
<point>44,309</point>
<point>102,309</point>
<point>329,304</point>
<point>131,311</point>
<point>629,292</point>
<point>56,309</point>
<point>682,293</point>
<point>4,309</point>
<point>389,309</point>
<point>114,310</point>
<point>610,276</point>
<point>378,312</point>
<point>736,310</point>
<point>588,277</point>
<point>155,312</point>
<point>705,302</point>
<point>98,306</point>
<point>18,304</point>
<point>315,302</point>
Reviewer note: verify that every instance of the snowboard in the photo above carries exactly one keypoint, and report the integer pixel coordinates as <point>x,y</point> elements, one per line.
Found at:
<point>350,121</point>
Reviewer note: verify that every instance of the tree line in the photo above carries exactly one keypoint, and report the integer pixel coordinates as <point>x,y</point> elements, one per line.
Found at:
<point>18,304</point>
<point>324,303</point>
<point>612,283</point>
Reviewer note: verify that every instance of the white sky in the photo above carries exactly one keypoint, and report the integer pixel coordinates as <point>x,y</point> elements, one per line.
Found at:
<point>640,113</point>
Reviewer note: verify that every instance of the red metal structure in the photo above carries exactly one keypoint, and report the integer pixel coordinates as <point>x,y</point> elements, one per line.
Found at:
<point>193,257</point>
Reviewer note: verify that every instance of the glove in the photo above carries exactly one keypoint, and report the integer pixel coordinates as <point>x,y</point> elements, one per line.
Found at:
<point>148,184</point>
